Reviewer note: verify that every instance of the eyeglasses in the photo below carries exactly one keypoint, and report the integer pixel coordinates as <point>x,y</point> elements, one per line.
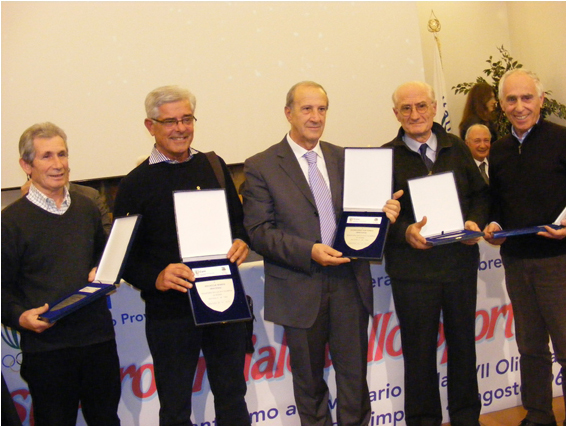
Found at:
<point>170,123</point>
<point>406,110</point>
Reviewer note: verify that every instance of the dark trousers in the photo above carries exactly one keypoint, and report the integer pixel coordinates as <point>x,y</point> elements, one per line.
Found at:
<point>342,322</point>
<point>175,346</point>
<point>418,307</point>
<point>58,380</point>
<point>537,289</point>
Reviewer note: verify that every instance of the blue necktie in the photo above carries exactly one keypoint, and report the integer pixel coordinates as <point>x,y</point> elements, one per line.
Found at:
<point>323,200</point>
<point>429,163</point>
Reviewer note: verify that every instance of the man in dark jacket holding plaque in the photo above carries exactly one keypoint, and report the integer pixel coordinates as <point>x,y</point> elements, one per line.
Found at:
<point>528,184</point>
<point>427,281</point>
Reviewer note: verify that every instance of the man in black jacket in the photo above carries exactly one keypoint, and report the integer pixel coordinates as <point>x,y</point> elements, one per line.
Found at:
<point>528,184</point>
<point>429,280</point>
<point>154,266</point>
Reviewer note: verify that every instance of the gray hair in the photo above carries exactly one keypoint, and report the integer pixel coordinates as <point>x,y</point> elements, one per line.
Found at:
<point>164,95</point>
<point>39,130</point>
<point>537,82</point>
<point>428,88</point>
<point>291,94</point>
<point>477,125</point>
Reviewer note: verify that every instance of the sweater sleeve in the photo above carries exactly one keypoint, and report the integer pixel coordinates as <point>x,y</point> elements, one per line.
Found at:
<point>12,299</point>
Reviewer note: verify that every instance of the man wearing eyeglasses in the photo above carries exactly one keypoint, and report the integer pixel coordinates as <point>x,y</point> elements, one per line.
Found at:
<point>429,280</point>
<point>154,266</point>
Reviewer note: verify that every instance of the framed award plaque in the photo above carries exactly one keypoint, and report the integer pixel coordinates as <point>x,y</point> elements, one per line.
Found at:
<point>203,229</point>
<point>436,197</point>
<point>362,229</point>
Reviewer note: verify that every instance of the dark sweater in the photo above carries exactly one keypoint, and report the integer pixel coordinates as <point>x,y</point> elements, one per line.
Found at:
<point>148,190</point>
<point>528,187</point>
<point>45,257</point>
<point>442,262</point>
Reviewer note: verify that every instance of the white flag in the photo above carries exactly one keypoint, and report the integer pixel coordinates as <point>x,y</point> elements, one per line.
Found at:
<point>442,117</point>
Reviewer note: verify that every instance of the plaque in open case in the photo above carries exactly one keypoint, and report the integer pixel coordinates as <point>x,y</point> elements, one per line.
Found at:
<point>362,229</point>
<point>531,230</point>
<point>203,230</point>
<point>108,273</point>
<point>436,197</point>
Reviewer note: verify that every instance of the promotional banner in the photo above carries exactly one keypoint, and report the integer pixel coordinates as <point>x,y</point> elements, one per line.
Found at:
<point>270,390</point>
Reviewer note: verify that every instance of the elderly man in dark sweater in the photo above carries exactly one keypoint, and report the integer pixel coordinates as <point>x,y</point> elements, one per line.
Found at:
<point>528,184</point>
<point>155,266</point>
<point>51,240</point>
<point>429,280</point>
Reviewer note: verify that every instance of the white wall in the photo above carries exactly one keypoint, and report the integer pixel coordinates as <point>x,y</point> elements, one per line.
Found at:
<point>538,38</point>
<point>87,66</point>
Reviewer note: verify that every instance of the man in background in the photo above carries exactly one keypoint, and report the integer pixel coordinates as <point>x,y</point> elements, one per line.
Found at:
<point>292,200</point>
<point>51,240</point>
<point>528,184</point>
<point>478,140</point>
<point>154,266</point>
<point>427,281</point>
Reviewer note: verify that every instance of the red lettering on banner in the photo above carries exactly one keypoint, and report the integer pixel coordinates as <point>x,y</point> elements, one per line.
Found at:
<point>442,340</point>
<point>489,321</point>
<point>199,376</point>
<point>389,344</point>
<point>137,379</point>
<point>265,366</point>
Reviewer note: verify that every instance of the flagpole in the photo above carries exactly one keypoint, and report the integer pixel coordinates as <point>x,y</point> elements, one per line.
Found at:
<point>434,27</point>
<point>439,84</point>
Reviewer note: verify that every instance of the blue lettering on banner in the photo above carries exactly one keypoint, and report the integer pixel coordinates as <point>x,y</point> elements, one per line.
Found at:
<point>378,282</point>
<point>559,379</point>
<point>487,397</point>
<point>489,264</point>
<point>388,418</point>
<point>131,318</point>
<point>261,416</point>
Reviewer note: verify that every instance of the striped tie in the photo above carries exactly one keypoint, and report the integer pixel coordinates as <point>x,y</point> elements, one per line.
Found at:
<point>484,173</point>
<point>323,200</point>
<point>429,163</point>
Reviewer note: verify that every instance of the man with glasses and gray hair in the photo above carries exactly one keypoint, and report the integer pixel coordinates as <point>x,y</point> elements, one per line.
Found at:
<point>427,281</point>
<point>154,265</point>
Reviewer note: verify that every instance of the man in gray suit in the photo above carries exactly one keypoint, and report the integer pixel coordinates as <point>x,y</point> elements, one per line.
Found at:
<point>317,295</point>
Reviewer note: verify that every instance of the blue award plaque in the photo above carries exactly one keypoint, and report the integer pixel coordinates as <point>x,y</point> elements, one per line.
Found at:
<point>531,230</point>
<point>203,230</point>
<point>108,273</point>
<point>436,197</point>
<point>362,228</point>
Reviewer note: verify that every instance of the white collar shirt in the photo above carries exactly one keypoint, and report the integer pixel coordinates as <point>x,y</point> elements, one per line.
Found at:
<point>46,203</point>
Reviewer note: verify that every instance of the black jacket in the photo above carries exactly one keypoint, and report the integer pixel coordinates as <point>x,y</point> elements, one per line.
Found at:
<point>442,262</point>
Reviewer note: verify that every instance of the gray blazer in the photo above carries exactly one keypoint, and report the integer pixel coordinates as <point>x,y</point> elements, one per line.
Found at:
<point>281,219</point>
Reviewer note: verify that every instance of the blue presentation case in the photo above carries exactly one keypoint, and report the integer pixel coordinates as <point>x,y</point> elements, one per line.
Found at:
<point>203,230</point>
<point>108,273</point>
<point>368,182</point>
<point>531,230</point>
<point>436,197</point>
